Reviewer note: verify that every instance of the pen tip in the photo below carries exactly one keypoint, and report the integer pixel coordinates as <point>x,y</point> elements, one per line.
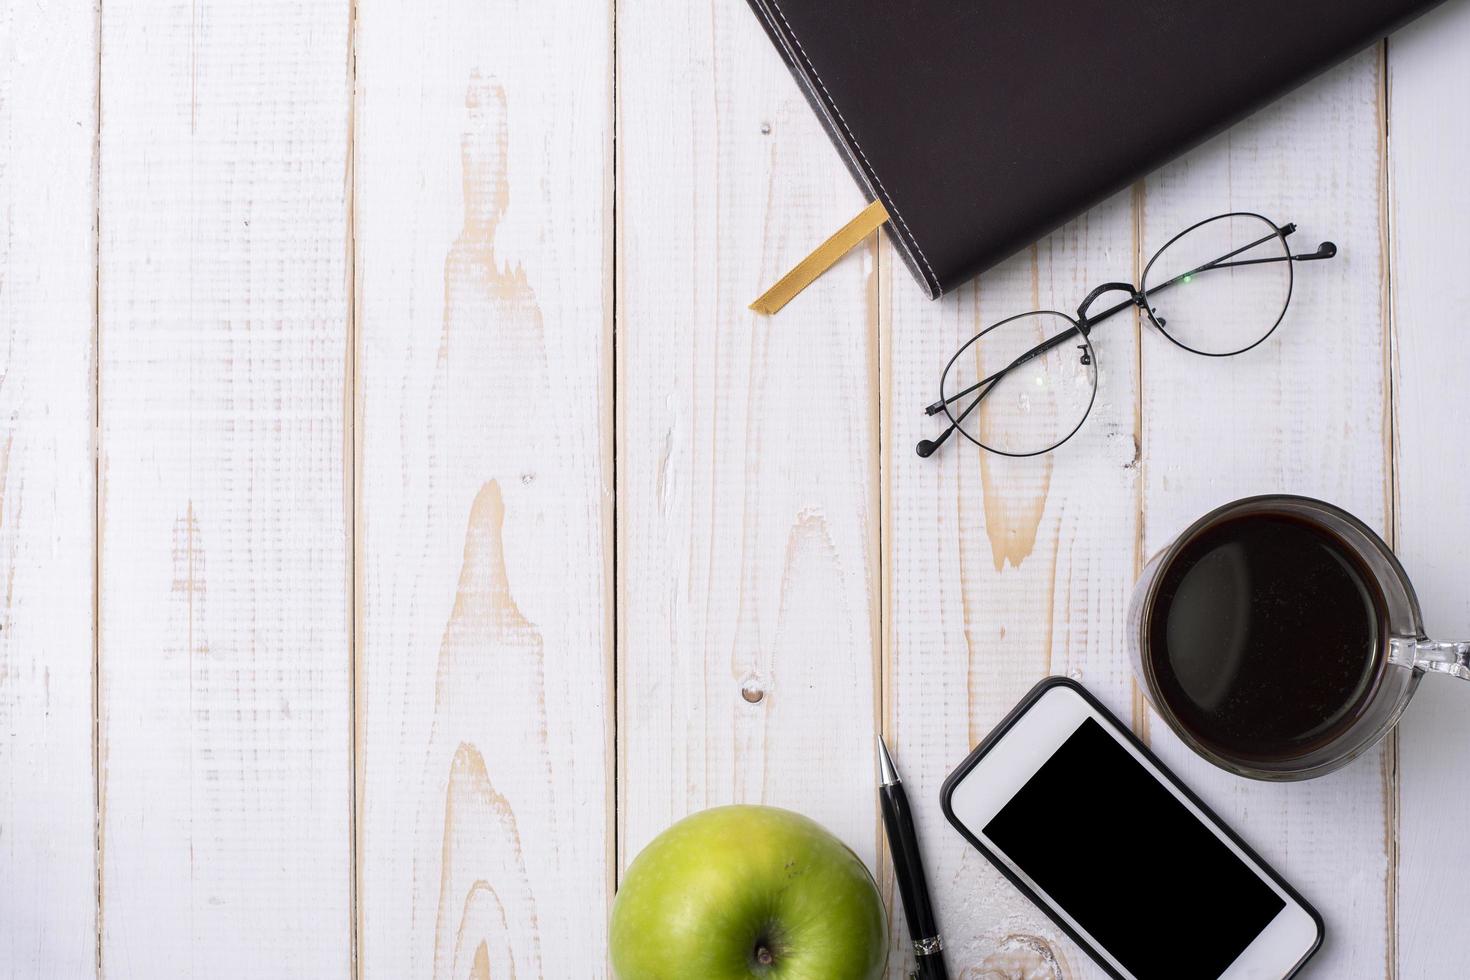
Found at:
<point>887,774</point>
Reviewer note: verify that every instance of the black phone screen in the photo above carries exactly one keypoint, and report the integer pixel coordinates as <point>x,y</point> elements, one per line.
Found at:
<point>1131,863</point>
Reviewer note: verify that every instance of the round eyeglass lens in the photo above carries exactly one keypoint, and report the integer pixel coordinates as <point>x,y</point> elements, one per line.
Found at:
<point>1023,386</point>
<point>1222,286</point>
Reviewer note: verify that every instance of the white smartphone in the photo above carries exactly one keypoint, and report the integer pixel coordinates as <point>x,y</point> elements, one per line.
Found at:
<point>1080,816</point>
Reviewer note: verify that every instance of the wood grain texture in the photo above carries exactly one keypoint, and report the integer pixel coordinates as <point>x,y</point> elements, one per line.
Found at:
<point>747,446</point>
<point>484,522</point>
<point>1001,571</point>
<point>1304,413</point>
<point>48,126</point>
<point>223,683</point>
<point>1428,76</point>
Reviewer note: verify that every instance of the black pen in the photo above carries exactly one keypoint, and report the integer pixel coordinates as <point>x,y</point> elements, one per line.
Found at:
<point>908,870</point>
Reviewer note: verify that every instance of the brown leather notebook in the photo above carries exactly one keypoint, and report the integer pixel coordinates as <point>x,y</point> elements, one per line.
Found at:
<point>982,125</point>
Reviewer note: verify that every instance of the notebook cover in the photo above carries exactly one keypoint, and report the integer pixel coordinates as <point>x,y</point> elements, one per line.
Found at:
<point>983,125</point>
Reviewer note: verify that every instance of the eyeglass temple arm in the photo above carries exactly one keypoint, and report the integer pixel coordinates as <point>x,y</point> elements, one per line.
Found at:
<point>925,447</point>
<point>1036,351</point>
<point>1326,250</point>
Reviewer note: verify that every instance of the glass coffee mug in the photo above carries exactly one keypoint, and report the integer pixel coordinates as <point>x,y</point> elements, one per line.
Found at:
<point>1280,638</point>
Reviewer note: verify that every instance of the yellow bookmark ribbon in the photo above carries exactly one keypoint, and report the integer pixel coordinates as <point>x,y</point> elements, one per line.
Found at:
<point>823,257</point>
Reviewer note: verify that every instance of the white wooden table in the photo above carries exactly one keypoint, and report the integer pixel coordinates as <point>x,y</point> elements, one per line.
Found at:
<point>402,520</point>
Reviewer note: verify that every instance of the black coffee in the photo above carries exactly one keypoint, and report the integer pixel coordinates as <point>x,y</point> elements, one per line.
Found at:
<point>1264,636</point>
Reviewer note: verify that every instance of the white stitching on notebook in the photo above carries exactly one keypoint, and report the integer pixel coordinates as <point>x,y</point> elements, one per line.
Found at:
<point>883,191</point>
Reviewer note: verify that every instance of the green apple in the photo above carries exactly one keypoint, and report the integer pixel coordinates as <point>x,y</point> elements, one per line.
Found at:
<point>748,891</point>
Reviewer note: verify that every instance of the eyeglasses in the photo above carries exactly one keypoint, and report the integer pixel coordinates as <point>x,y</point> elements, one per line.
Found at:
<point>1024,386</point>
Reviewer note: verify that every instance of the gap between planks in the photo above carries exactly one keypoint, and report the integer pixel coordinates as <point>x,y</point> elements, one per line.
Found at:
<point>99,804</point>
<point>352,483</point>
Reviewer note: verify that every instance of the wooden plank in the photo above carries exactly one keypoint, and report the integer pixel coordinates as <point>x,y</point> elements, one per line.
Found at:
<point>224,678</point>
<point>747,446</point>
<point>1430,141</point>
<point>1304,413</point>
<point>48,124</point>
<point>1001,571</point>
<point>485,701</point>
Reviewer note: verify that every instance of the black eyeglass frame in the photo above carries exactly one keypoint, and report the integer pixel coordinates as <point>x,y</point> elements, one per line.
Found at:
<point>1082,326</point>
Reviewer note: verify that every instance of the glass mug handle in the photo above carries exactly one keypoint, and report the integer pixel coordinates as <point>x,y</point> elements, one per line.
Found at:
<point>1438,657</point>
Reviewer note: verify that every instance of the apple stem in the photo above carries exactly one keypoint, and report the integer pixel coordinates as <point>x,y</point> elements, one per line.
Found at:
<point>763,955</point>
